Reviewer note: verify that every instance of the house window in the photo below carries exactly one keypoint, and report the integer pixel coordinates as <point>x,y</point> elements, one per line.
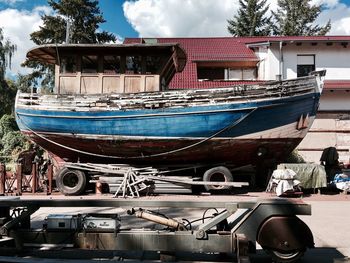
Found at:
<point>306,64</point>
<point>206,73</point>
<point>221,73</point>
<point>240,74</point>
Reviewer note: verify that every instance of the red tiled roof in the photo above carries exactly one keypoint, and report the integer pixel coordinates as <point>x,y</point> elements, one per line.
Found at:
<point>229,49</point>
<point>337,84</point>
<point>205,49</point>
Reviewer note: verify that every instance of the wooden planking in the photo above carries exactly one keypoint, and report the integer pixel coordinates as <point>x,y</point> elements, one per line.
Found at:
<point>151,83</point>
<point>133,84</point>
<point>68,85</point>
<point>168,99</point>
<point>111,84</point>
<point>89,85</point>
<point>100,83</point>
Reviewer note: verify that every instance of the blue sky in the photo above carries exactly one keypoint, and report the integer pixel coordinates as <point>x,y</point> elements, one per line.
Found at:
<point>150,18</point>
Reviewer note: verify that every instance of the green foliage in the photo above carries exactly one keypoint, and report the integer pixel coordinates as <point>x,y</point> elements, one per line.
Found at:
<point>85,18</point>
<point>297,17</point>
<point>251,19</point>
<point>7,97</point>
<point>7,124</point>
<point>11,140</point>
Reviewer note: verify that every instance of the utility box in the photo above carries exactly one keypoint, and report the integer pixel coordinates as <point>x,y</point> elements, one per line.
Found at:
<point>104,222</point>
<point>59,221</point>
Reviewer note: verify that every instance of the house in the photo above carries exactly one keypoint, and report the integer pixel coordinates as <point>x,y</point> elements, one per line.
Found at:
<point>219,62</point>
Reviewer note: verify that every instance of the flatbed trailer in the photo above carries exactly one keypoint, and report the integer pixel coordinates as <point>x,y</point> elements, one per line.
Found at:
<point>234,228</point>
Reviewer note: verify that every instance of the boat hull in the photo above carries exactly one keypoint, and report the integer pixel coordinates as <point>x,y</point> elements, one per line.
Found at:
<point>230,132</point>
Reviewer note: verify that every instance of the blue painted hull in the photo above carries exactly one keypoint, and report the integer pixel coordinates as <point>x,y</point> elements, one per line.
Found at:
<point>188,134</point>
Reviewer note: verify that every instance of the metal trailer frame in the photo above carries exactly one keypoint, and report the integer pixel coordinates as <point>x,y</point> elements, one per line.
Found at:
<point>272,223</point>
<point>130,181</point>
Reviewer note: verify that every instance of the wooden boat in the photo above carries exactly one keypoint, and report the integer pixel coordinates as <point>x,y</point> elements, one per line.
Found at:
<point>105,110</point>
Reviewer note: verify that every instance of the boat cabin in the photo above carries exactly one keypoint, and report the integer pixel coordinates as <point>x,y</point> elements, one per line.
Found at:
<point>110,68</point>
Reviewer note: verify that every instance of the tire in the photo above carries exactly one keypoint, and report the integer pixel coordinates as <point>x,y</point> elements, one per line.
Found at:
<point>217,174</point>
<point>285,257</point>
<point>71,182</point>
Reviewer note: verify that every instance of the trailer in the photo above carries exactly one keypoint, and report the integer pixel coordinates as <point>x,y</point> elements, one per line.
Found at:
<point>226,227</point>
<point>132,181</point>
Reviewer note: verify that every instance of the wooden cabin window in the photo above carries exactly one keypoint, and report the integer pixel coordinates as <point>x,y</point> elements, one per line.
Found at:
<point>89,64</point>
<point>153,64</point>
<point>133,65</point>
<point>111,65</point>
<point>68,64</point>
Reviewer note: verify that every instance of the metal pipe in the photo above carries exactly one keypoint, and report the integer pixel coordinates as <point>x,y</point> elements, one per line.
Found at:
<point>160,220</point>
<point>281,61</point>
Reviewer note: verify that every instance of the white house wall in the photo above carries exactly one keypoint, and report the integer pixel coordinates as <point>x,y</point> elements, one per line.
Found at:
<point>337,100</point>
<point>335,59</point>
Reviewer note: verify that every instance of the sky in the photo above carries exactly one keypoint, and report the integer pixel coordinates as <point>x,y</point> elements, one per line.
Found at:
<point>149,18</point>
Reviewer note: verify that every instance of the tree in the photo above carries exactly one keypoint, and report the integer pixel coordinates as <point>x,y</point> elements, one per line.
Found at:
<point>251,19</point>
<point>7,49</point>
<point>297,17</point>
<point>84,17</point>
<point>7,93</point>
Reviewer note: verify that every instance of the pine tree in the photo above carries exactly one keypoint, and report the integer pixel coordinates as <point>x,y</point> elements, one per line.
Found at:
<point>251,19</point>
<point>297,17</point>
<point>84,17</point>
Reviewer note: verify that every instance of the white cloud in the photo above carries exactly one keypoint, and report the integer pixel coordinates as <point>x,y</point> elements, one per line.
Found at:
<point>17,26</point>
<point>168,18</point>
<point>339,14</point>
<point>193,18</point>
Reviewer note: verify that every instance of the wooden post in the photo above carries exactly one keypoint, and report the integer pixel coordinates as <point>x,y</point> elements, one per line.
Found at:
<point>49,177</point>
<point>34,177</point>
<point>2,178</point>
<point>19,175</point>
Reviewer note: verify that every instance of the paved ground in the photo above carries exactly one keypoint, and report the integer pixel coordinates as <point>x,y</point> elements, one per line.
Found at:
<point>329,221</point>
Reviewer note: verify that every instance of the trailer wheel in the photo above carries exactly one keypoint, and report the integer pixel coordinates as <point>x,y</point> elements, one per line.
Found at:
<point>71,182</point>
<point>285,257</point>
<point>217,174</point>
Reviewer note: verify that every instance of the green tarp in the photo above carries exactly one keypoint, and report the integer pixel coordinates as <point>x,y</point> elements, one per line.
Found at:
<point>310,175</point>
